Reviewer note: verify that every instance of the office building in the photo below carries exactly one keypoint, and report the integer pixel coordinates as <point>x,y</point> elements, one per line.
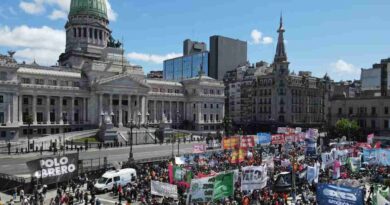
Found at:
<point>226,54</point>
<point>185,67</point>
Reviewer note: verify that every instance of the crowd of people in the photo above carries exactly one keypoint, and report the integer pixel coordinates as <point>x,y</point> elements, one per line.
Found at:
<point>211,163</point>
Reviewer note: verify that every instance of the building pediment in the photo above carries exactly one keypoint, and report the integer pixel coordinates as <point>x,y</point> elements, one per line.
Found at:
<point>122,82</point>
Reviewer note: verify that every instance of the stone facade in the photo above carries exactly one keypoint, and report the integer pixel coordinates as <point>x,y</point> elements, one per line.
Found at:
<point>94,79</point>
<point>280,97</point>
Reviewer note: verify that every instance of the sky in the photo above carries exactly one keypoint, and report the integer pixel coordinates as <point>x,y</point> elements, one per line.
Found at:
<point>334,37</point>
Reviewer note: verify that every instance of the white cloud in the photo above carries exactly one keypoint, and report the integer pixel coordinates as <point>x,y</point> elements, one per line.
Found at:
<point>152,58</point>
<point>343,70</point>
<point>43,44</point>
<point>35,7</point>
<point>58,8</point>
<point>267,40</point>
<point>58,14</point>
<point>257,38</point>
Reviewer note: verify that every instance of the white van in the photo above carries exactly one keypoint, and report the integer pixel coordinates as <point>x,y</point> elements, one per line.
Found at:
<point>122,177</point>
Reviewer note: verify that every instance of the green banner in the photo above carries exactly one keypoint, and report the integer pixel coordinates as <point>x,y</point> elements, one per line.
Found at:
<point>223,186</point>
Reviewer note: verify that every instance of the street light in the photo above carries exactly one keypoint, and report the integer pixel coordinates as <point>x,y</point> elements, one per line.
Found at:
<point>131,125</point>
<point>139,119</point>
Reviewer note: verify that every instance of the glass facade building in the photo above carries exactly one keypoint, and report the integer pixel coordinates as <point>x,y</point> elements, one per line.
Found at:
<point>186,66</point>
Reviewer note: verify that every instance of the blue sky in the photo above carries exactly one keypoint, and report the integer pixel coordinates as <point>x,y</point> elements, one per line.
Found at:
<point>335,37</point>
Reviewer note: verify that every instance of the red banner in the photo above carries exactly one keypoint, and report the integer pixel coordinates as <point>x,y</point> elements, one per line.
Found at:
<point>277,139</point>
<point>247,141</point>
<point>238,156</point>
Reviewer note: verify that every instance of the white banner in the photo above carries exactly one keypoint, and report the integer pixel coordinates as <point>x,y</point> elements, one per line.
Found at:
<point>163,189</point>
<point>201,189</point>
<point>327,160</point>
<point>253,178</point>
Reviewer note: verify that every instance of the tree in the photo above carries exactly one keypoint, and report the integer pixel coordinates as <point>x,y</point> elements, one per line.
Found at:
<point>348,128</point>
<point>227,125</point>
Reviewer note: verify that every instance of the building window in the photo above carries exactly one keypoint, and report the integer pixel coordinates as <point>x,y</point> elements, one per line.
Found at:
<point>76,102</point>
<point>100,34</point>
<point>373,110</point>
<point>205,91</point>
<point>205,105</point>
<point>218,92</point>
<point>162,90</point>
<point>76,84</point>
<point>90,33</point>
<point>52,82</point>
<point>340,111</point>
<point>386,110</point>
<point>386,124</point>
<point>39,81</point>
<point>211,117</point>
<point>211,106</point>
<point>85,32</point>
<point>64,102</point>
<point>372,123</point>
<point>217,117</point>
<point>217,106</point>
<point>1,118</point>
<point>204,117</point>
<point>350,111</point>
<point>169,90</point>
<point>25,101</point>
<point>96,34</point>
<point>1,99</point>
<point>194,117</point>
<point>39,101</point>
<point>52,101</point>
<point>3,134</point>
<point>79,30</point>
<point>64,83</point>
<point>74,32</point>
<point>212,92</point>
<point>26,80</point>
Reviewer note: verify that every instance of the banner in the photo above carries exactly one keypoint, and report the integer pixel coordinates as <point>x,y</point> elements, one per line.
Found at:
<point>238,156</point>
<point>312,174</point>
<point>342,156</point>
<point>223,186</point>
<point>282,130</point>
<point>253,177</point>
<point>370,138</point>
<point>377,156</point>
<point>180,160</point>
<point>55,169</point>
<point>277,139</point>
<point>198,148</point>
<point>354,163</point>
<point>263,138</point>
<point>336,169</point>
<point>327,160</point>
<point>331,194</point>
<point>247,141</point>
<point>231,142</point>
<point>163,189</point>
<point>289,138</point>
<point>202,190</point>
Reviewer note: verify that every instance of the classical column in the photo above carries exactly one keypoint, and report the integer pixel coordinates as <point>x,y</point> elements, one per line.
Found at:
<point>184,111</point>
<point>20,109</point>
<point>61,115</point>
<point>143,109</point>
<point>155,111</point>
<point>170,111</point>
<point>9,111</point>
<point>15,108</point>
<point>200,117</point>
<point>34,110</point>
<point>222,111</point>
<point>110,111</point>
<point>72,120</point>
<point>129,115</point>
<point>100,108</point>
<point>120,124</point>
<point>177,111</point>
<point>48,110</point>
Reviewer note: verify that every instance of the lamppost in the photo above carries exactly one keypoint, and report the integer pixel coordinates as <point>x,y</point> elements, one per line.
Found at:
<point>147,126</point>
<point>131,125</point>
<point>139,119</point>
<point>63,135</point>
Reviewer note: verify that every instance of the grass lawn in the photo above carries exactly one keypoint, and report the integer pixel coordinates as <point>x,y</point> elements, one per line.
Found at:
<point>90,139</point>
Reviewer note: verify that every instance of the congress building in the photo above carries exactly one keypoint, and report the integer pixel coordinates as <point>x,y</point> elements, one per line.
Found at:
<point>93,80</point>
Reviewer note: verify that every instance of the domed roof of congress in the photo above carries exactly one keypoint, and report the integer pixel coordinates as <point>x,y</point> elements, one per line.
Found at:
<point>96,8</point>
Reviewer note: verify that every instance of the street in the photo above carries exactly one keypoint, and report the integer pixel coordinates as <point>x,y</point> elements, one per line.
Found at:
<point>16,164</point>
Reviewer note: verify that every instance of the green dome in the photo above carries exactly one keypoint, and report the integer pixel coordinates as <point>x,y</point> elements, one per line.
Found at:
<point>97,8</point>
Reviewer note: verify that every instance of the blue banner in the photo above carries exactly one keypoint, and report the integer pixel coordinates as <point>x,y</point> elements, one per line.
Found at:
<point>331,194</point>
<point>263,138</point>
<point>377,156</point>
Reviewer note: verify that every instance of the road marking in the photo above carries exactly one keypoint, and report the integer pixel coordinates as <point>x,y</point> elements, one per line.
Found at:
<point>110,201</point>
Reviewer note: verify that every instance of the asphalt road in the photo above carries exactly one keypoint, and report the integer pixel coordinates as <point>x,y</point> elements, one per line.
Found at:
<point>16,165</point>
